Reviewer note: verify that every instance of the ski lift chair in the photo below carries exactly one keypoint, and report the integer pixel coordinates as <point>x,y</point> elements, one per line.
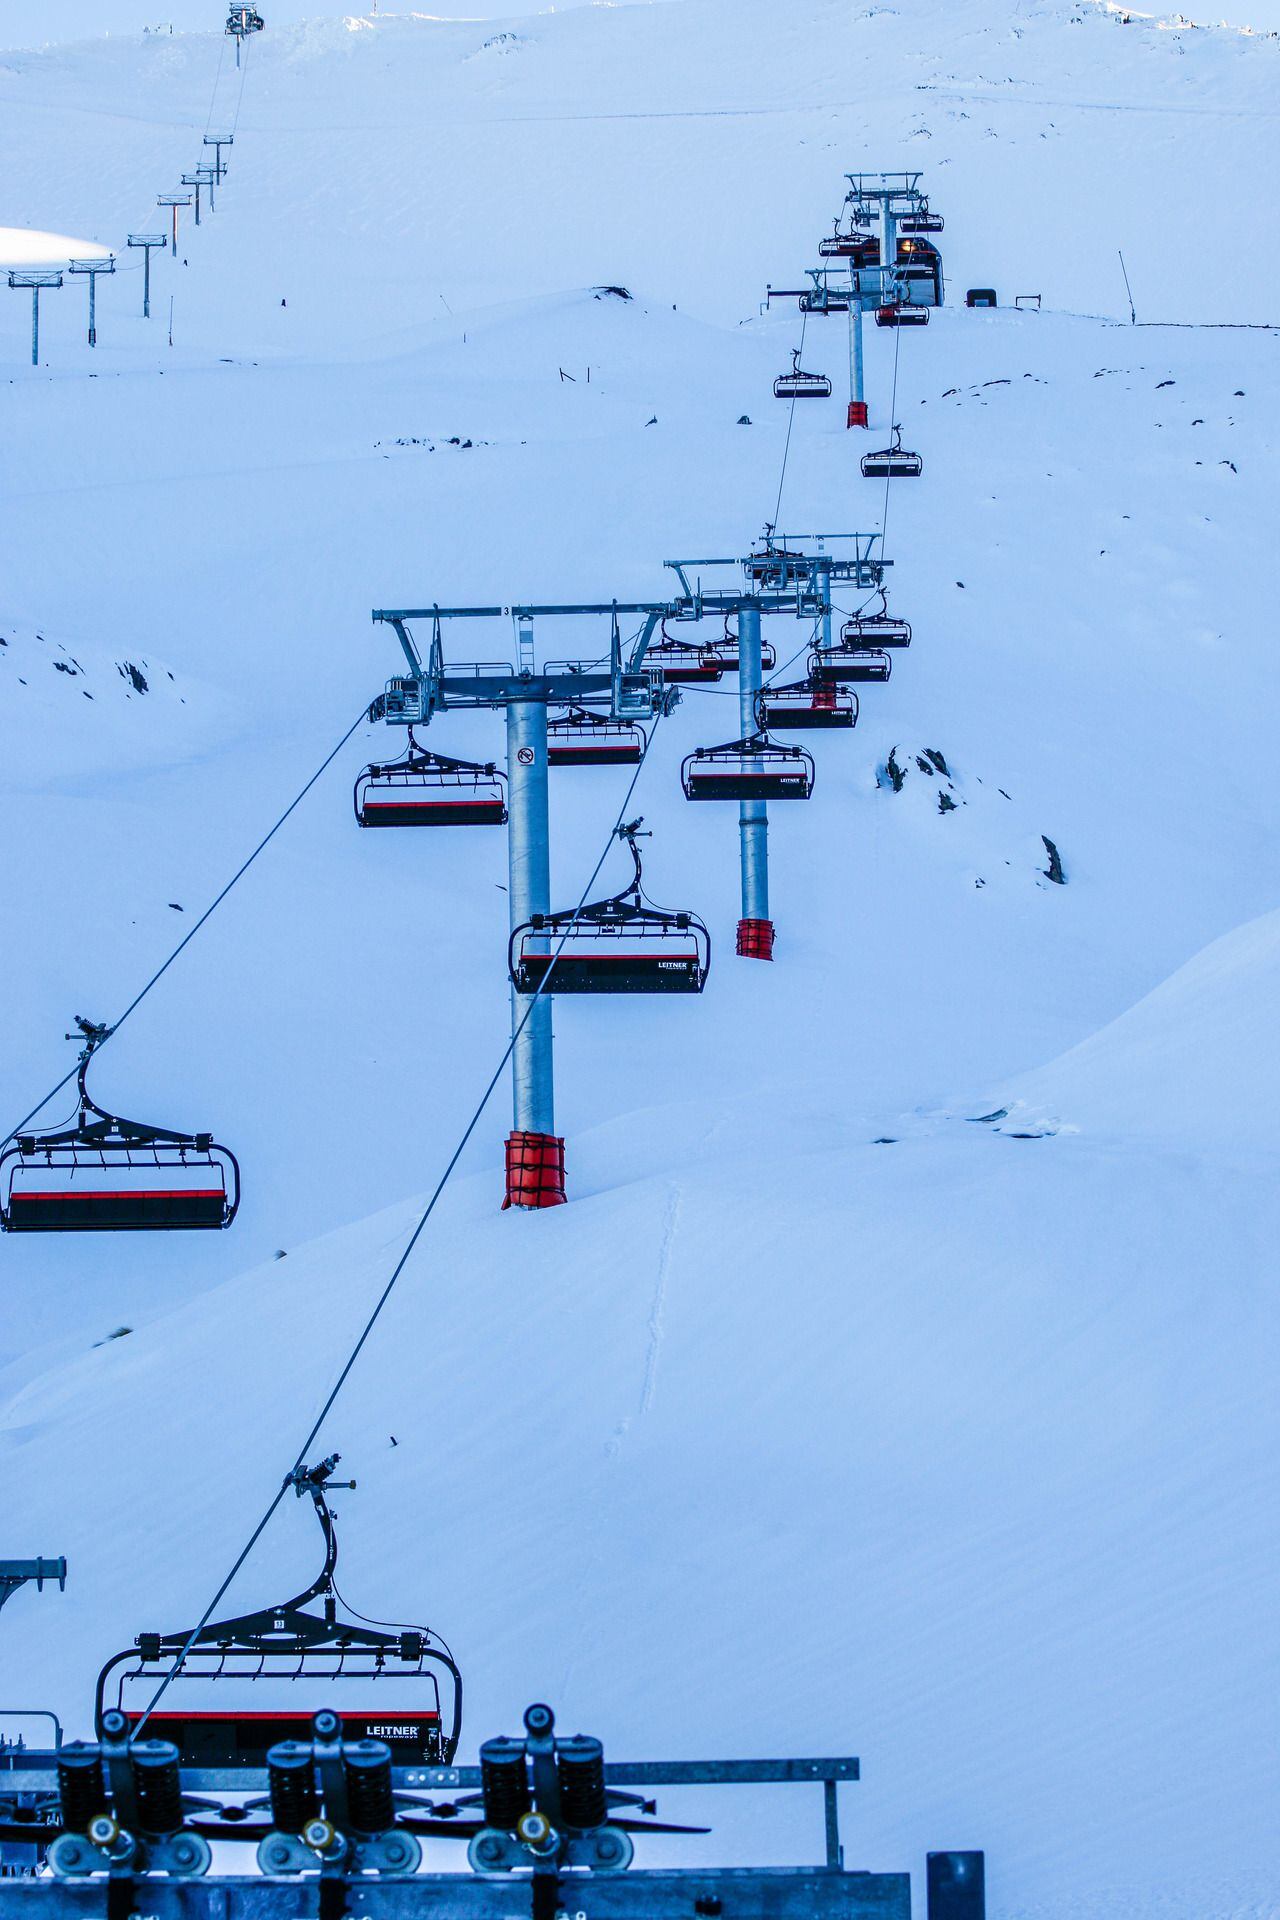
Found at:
<point>878,629</point>
<point>105,1174</point>
<point>289,1643</point>
<point>799,385</point>
<point>846,245</point>
<point>755,768</point>
<point>849,666</point>
<point>921,221</point>
<point>727,651</point>
<point>428,790</point>
<point>619,945</point>
<point>683,662</point>
<point>891,462</point>
<point>580,738</point>
<point>805,705</point>
<point>897,313</point>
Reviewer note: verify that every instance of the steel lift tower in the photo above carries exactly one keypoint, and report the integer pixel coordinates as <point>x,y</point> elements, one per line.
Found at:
<point>779,579</point>
<point>790,573</point>
<point>887,203</point>
<point>35,280</point>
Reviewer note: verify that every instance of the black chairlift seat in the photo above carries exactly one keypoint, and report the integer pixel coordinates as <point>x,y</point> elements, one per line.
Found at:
<point>892,462</point>
<point>847,245</point>
<point>728,653</point>
<point>899,314</point>
<point>244,19</point>
<point>799,385</point>
<point>682,661</point>
<point>921,222</point>
<point>805,706</point>
<point>756,768</point>
<point>105,1174</point>
<point>875,630</point>
<point>619,945</point>
<point>580,738</point>
<point>288,1643</point>
<point>849,666</point>
<point>429,790</point>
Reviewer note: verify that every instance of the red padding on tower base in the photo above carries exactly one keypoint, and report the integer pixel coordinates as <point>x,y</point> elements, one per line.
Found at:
<point>535,1170</point>
<point>857,413</point>
<point>755,939</point>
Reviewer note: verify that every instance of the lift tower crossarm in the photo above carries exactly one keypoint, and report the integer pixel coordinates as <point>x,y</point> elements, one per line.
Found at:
<point>16,1573</point>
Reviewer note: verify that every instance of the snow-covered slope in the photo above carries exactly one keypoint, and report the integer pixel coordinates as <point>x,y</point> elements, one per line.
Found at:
<point>960,1443</point>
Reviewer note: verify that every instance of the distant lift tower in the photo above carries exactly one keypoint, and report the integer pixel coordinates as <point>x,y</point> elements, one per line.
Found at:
<point>36,279</point>
<point>198,179</point>
<point>218,141</point>
<point>173,201</point>
<point>147,241</point>
<point>891,264</point>
<point>791,573</point>
<point>241,22</point>
<point>90,269</point>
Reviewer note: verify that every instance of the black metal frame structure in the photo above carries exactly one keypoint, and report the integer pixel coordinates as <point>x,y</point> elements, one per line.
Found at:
<point>805,706</point>
<point>879,629</point>
<point>426,789</point>
<point>288,1643</point>
<point>799,384</point>
<point>655,950</point>
<point>581,738</point>
<point>893,462</point>
<point>753,768</point>
<point>109,1151</point>
<point>853,243</point>
<point>850,666</point>
<point>897,313</point>
<point>728,653</point>
<point>684,662</point>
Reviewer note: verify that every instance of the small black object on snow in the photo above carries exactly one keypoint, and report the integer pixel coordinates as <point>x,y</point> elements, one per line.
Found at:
<point>744,419</point>
<point>177,906</point>
<point>652,421</point>
<point>1054,870</point>
<point>611,293</point>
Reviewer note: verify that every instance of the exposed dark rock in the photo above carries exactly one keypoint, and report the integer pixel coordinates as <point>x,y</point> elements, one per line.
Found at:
<point>1054,870</point>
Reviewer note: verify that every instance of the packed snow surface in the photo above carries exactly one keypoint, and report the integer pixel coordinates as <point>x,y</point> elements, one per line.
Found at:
<point>900,1379</point>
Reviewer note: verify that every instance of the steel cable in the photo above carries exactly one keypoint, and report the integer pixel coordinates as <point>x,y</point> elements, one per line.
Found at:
<point>402,1262</point>
<point>191,933</point>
